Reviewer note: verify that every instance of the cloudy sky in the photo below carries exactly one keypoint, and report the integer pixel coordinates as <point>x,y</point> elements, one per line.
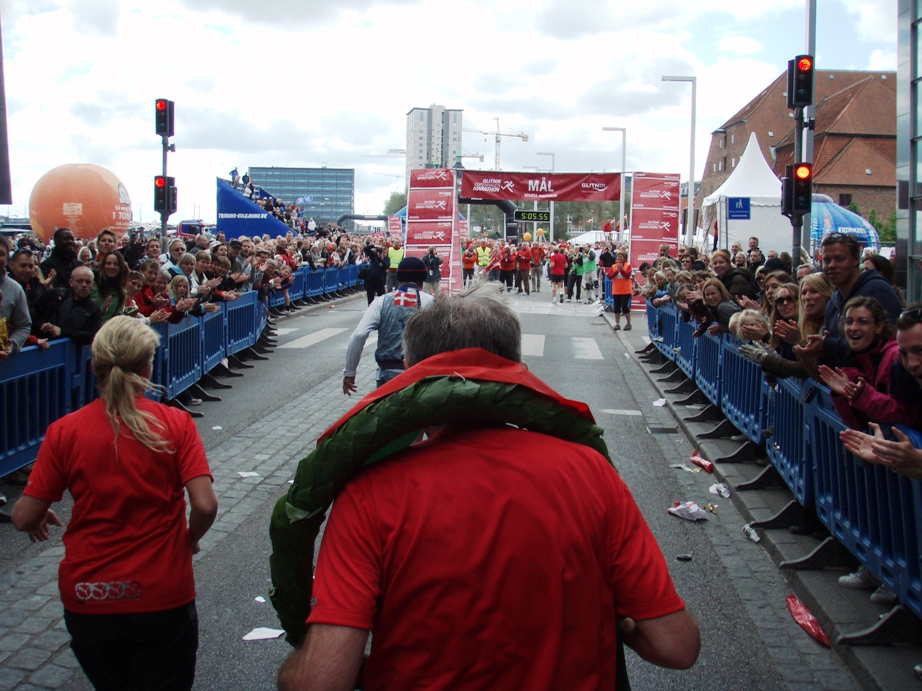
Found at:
<point>329,82</point>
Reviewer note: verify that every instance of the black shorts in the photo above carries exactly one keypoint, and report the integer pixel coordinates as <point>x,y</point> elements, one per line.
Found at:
<point>622,304</point>
<point>555,278</point>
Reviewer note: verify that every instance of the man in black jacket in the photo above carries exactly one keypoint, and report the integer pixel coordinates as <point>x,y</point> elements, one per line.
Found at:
<point>63,258</point>
<point>77,317</point>
<point>378,263</point>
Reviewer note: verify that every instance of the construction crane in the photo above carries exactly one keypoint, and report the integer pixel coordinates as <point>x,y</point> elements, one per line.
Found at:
<point>392,175</point>
<point>498,133</point>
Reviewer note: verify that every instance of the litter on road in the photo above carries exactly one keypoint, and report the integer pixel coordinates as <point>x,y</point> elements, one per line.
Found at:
<point>751,533</point>
<point>217,427</point>
<point>261,633</point>
<point>660,402</point>
<point>720,489</point>
<point>698,461</point>
<point>259,598</point>
<point>807,621</point>
<point>685,467</point>
<point>688,510</point>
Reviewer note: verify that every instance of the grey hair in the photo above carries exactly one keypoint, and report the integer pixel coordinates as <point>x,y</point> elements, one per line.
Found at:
<point>478,318</point>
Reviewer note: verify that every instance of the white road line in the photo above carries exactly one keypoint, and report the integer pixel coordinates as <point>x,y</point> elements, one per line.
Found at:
<point>313,339</point>
<point>533,345</point>
<point>632,413</point>
<point>284,332</point>
<point>646,340</point>
<point>586,349</point>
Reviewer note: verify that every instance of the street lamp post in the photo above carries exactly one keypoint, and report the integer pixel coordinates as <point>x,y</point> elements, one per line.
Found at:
<point>623,131</point>
<point>553,167</point>
<point>689,218</point>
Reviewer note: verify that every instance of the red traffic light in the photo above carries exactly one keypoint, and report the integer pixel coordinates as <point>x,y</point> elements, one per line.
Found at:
<point>802,172</point>
<point>159,181</point>
<point>805,64</point>
<point>161,104</point>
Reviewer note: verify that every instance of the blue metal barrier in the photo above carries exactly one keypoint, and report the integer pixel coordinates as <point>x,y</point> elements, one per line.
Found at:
<point>213,349</point>
<point>240,317</point>
<point>313,283</point>
<point>607,297</point>
<point>296,292</point>
<point>183,355</point>
<point>276,298</point>
<point>84,390</point>
<point>667,330</point>
<point>330,281</point>
<point>787,447</point>
<point>685,347</point>
<point>35,387</point>
<point>707,367</point>
<point>350,275</point>
<point>743,391</point>
<point>653,321</point>
<point>871,510</point>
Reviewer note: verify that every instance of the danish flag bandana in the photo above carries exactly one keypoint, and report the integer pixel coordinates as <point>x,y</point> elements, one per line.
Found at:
<point>404,298</point>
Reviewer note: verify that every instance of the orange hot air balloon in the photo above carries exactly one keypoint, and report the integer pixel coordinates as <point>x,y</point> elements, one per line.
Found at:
<point>81,196</point>
<point>526,237</point>
<point>540,231</point>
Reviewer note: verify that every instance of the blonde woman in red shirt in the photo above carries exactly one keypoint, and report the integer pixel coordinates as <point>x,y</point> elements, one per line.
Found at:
<point>622,285</point>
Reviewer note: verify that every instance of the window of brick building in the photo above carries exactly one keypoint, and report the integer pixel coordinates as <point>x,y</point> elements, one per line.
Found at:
<point>845,199</point>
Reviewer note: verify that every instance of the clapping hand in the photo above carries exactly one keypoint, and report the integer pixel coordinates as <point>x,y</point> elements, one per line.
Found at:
<point>901,456</point>
<point>787,330</point>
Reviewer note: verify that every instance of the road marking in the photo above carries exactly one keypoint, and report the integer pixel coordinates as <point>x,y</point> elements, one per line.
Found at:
<point>533,345</point>
<point>632,413</point>
<point>646,340</point>
<point>313,339</point>
<point>284,331</point>
<point>586,349</point>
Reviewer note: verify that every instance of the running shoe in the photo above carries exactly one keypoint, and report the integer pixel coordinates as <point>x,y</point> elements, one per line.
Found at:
<point>862,579</point>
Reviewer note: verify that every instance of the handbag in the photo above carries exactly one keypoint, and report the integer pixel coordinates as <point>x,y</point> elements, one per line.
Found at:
<point>363,271</point>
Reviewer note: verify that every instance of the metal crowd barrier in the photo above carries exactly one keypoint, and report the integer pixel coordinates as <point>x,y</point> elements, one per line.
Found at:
<point>684,349</point>
<point>39,386</point>
<point>875,513</point>
<point>667,320</point>
<point>607,297</point>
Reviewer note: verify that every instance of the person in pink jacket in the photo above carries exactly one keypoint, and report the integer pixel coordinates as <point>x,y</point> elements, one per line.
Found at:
<point>861,388</point>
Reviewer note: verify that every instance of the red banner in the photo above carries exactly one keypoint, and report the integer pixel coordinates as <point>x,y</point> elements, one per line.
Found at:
<point>431,205</point>
<point>429,233</point>
<point>654,220</point>
<point>464,229</point>
<point>394,226</point>
<point>432,220</point>
<point>566,187</point>
<point>655,191</point>
<point>431,177</point>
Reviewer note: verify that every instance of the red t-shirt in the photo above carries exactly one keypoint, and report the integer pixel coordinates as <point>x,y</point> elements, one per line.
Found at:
<point>507,261</point>
<point>481,568</point>
<point>125,543</point>
<point>558,264</point>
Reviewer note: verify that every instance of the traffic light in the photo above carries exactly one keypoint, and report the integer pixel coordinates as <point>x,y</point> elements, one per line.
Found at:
<point>797,189</point>
<point>163,115</point>
<point>800,81</point>
<point>164,194</point>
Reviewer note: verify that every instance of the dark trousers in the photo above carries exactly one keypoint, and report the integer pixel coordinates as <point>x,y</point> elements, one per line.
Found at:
<point>151,651</point>
<point>574,281</point>
<point>521,280</point>
<point>467,276</point>
<point>506,277</point>
<point>373,288</point>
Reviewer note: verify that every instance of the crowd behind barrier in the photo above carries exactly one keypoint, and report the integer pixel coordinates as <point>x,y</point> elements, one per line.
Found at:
<point>40,386</point>
<point>872,511</point>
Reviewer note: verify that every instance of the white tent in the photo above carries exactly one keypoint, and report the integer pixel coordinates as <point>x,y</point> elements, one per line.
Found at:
<point>589,238</point>
<point>754,180</point>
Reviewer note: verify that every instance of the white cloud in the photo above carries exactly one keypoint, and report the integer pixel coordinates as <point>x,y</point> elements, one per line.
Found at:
<point>882,60</point>
<point>875,19</point>
<point>739,45</point>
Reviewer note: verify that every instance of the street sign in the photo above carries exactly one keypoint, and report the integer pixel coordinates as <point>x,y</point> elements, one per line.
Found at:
<point>739,208</point>
<point>533,216</point>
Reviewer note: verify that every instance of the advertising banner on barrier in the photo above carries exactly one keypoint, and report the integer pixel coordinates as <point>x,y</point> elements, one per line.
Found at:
<point>238,216</point>
<point>432,177</point>
<point>394,227</point>
<point>565,187</point>
<point>654,221</point>
<point>463,229</point>
<point>429,204</point>
<point>432,221</point>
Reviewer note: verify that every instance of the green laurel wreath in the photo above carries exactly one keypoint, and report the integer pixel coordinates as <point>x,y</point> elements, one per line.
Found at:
<point>376,432</point>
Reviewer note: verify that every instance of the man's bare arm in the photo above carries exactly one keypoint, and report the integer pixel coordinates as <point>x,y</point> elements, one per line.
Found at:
<point>329,660</point>
<point>672,641</point>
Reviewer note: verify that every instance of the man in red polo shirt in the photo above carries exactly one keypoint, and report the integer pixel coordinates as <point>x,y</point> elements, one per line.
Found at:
<point>479,568</point>
<point>522,268</point>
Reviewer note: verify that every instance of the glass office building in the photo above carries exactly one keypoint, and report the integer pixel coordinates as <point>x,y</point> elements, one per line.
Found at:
<point>323,194</point>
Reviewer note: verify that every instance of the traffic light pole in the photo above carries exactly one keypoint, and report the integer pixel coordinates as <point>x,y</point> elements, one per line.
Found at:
<point>797,220</point>
<point>164,215</point>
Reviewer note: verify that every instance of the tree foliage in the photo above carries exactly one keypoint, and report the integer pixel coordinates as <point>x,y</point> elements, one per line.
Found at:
<point>395,202</point>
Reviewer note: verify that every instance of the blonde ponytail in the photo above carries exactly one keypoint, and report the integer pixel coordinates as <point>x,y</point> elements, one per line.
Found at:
<point>123,352</point>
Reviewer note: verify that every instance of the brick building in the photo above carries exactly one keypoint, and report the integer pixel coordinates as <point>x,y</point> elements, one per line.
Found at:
<point>854,150</point>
